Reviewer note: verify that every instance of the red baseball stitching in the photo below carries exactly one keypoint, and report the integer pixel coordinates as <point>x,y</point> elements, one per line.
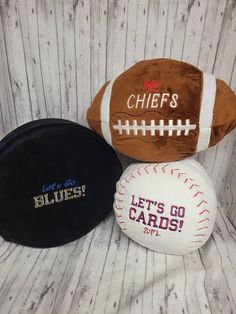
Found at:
<point>139,169</point>
<point>126,179</point>
<point>119,192</point>
<point>205,227</point>
<point>188,179</point>
<point>154,168</point>
<point>122,186</point>
<point>193,186</point>
<point>145,168</point>
<point>131,176</point>
<point>172,171</point>
<point>163,168</point>
<point>205,210</point>
<point>206,219</point>
<point>202,202</point>
<point>118,208</point>
<point>119,201</point>
<point>199,192</point>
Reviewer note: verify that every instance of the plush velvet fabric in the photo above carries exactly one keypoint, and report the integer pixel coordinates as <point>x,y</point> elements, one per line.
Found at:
<point>161,77</point>
<point>47,156</point>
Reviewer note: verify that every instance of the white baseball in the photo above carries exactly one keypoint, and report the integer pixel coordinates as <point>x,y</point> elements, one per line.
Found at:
<point>166,207</point>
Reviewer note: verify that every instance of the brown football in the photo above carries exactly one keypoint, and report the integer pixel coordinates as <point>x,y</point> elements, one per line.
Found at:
<point>163,110</point>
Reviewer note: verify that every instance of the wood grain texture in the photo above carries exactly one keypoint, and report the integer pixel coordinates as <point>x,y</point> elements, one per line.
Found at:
<point>54,57</point>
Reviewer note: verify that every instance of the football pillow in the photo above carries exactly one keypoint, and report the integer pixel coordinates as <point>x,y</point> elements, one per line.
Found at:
<point>163,110</point>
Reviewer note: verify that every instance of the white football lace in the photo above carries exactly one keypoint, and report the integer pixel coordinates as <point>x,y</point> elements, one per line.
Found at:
<point>133,125</point>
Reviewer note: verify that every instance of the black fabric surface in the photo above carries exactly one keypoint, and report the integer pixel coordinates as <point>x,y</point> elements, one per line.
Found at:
<point>57,155</point>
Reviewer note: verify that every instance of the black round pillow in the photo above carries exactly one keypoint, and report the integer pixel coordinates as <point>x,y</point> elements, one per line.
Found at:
<point>57,182</point>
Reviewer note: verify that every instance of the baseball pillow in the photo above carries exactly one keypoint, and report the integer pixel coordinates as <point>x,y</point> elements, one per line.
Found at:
<point>163,110</point>
<point>166,207</point>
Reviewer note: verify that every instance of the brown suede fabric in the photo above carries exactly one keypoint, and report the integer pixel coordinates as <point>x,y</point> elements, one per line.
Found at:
<point>166,92</point>
<point>93,114</point>
<point>224,119</point>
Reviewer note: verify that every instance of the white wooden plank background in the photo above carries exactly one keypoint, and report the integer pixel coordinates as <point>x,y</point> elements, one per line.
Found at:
<point>54,56</point>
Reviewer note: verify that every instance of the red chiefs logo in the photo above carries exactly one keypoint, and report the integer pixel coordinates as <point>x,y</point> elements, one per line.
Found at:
<point>152,85</point>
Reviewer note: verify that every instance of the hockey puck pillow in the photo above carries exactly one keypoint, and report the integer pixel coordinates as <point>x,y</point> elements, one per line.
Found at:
<point>57,182</point>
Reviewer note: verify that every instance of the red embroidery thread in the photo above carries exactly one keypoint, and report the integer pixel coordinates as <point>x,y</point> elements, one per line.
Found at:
<point>151,85</point>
